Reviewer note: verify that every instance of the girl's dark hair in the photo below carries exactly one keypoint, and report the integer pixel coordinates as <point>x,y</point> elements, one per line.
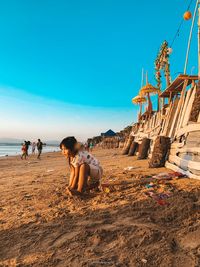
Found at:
<point>68,142</point>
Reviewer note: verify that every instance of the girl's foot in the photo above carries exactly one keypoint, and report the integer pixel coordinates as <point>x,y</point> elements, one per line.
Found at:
<point>76,193</point>
<point>72,192</point>
<point>68,191</point>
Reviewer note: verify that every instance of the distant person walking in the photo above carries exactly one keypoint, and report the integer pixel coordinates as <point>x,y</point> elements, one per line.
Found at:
<point>24,151</point>
<point>33,147</point>
<point>27,144</point>
<point>39,148</point>
<point>91,147</point>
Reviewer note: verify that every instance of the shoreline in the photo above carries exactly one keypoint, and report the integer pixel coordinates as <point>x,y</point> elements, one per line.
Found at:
<point>30,155</point>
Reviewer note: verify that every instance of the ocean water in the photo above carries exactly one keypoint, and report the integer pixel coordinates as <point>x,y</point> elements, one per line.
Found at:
<point>15,149</point>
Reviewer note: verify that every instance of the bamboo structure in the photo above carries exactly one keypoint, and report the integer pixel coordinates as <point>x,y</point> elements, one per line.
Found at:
<point>173,121</point>
<point>173,130</point>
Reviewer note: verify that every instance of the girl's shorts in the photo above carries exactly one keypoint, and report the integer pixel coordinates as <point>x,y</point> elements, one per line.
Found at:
<point>96,173</point>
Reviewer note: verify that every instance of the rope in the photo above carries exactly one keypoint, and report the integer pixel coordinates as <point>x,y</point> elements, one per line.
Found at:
<point>180,25</point>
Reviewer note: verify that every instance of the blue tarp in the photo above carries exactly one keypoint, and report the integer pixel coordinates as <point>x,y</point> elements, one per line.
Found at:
<point>108,133</point>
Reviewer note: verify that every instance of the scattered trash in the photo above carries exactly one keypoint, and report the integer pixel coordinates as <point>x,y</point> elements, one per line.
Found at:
<point>150,193</point>
<point>162,176</point>
<point>178,175</point>
<point>50,170</point>
<point>107,188</point>
<point>162,202</point>
<point>160,191</point>
<point>129,168</point>
<point>149,185</point>
<point>169,176</point>
<point>144,260</point>
<point>163,196</point>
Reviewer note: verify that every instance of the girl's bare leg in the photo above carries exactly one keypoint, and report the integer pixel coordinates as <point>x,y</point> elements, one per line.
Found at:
<point>84,172</point>
<point>72,174</point>
<point>75,179</point>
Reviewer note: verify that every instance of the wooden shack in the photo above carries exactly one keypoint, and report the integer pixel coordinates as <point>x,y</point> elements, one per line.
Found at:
<point>178,119</point>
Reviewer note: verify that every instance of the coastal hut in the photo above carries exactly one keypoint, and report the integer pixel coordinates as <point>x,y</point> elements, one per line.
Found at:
<point>110,139</point>
<point>177,121</point>
<point>183,125</point>
<point>109,133</point>
<point>174,130</point>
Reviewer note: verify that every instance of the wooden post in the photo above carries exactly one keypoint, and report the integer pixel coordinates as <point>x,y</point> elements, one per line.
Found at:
<point>158,107</point>
<point>140,113</point>
<point>199,41</point>
<point>190,37</point>
<point>149,104</point>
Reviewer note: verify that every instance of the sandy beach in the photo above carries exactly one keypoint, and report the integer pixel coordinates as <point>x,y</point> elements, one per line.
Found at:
<point>41,226</point>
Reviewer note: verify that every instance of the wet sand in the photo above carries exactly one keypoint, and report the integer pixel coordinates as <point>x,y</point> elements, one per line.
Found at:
<point>41,226</point>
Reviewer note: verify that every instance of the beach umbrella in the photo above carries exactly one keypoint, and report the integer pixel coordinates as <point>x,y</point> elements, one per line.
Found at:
<point>148,90</point>
<point>139,100</point>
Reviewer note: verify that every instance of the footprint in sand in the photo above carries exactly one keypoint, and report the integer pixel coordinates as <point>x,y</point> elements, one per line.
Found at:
<point>27,197</point>
<point>191,240</point>
<point>182,260</point>
<point>63,238</point>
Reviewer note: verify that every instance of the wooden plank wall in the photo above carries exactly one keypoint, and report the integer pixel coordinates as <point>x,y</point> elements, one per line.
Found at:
<point>174,124</point>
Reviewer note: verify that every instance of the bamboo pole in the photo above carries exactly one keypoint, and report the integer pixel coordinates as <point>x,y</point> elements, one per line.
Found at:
<point>199,41</point>
<point>190,37</point>
<point>142,80</point>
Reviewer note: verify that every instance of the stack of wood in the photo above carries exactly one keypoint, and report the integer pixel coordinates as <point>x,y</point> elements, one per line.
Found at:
<point>144,148</point>
<point>110,142</point>
<point>127,145</point>
<point>133,148</point>
<point>160,151</point>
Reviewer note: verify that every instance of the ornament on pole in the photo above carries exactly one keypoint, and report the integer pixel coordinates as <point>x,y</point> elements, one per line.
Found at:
<point>198,40</point>
<point>187,15</point>
<point>169,50</point>
<point>162,63</point>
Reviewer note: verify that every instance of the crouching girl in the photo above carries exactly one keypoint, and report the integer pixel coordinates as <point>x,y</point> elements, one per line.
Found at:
<point>85,169</point>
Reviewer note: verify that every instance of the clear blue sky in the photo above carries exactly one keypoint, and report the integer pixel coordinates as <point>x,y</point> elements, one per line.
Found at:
<point>82,60</point>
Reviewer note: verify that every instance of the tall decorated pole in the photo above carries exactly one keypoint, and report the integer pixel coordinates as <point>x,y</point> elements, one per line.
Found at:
<point>162,64</point>
<point>187,16</point>
<point>199,41</point>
